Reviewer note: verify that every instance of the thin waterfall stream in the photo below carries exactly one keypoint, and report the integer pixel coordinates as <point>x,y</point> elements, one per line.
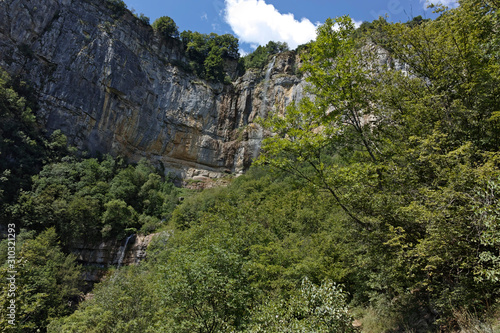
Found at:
<point>123,250</point>
<point>262,111</point>
<point>263,108</point>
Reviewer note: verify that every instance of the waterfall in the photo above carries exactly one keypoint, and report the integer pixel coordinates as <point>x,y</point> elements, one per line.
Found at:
<point>262,110</point>
<point>259,134</point>
<point>122,251</point>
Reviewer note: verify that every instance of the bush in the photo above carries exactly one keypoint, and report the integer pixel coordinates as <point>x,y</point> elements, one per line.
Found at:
<point>143,18</point>
<point>313,309</point>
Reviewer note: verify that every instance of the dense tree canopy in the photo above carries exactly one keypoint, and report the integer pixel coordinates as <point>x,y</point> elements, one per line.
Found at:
<point>236,262</point>
<point>47,282</point>
<point>208,51</point>
<point>404,148</point>
<point>91,199</point>
<point>24,147</point>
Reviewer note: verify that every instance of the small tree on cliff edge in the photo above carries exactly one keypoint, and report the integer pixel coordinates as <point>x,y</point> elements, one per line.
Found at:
<point>166,27</point>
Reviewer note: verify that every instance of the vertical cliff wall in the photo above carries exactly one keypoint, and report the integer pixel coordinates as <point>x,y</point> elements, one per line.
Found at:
<point>98,257</point>
<point>112,86</point>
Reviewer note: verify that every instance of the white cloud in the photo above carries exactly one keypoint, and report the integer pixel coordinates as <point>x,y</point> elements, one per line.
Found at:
<point>448,3</point>
<point>254,21</point>
<point>204,17</point>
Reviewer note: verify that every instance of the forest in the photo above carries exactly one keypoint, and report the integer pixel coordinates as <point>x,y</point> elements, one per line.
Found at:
<point>373,207</point>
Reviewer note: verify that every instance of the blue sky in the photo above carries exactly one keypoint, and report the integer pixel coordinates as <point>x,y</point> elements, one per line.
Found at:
<point>255,22</point>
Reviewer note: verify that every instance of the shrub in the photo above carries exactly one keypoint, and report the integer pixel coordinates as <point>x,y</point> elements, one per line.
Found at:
<point>260,57</point>
<point>313,309</point>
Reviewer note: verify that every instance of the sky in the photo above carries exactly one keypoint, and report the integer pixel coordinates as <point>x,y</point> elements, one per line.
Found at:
<point>256,22</point>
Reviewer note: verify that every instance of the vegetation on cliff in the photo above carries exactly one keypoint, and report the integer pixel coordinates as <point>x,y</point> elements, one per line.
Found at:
<point>261,56</point>
<point>207,53</point>
<point>166,27</point>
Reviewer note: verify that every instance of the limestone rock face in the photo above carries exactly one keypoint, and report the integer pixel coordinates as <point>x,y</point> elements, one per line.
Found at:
<point>112,86</point>
<point>98,257</point>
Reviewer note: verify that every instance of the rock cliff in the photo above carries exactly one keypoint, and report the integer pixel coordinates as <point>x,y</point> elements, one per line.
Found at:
<point>98,257</point>
<point>112,86</point>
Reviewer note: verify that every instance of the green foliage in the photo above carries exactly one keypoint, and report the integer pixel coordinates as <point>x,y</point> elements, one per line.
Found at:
<point>260,57</point>
<point>143,18</point>
<point>18,144</point>
<point>194,207</point>
<point>390,187</point>
<point>166,27</point>
<point>214,65</point>
<point>122,303</point>
<point>374,31</point>
<point>207,53</point>
<point>91,199</point>
<point>310,132</point>
<point>405,154</point>
<point>487,210</point>
<point>312,309</point>
<point>207,289</point>
<point>23,146</point>
<point>47,283</point>
<point>117,216</point>
<point>417,20</point>
<point>237,247</point>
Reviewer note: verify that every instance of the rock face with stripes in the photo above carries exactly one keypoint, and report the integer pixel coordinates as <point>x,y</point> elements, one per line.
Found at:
<point>97,258</point>
<point>113,86</point>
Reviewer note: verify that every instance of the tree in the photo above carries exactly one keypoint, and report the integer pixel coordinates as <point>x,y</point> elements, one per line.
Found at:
<point>335,123</point>
<point>22,144</point>
<point>207,53</point>
<point>488,213</point>
<point>312,309</point>
<point>166,27</point>
<point>276,47</point>
<point>260,57</point>
<point>227,43</point>
<point>88,199</point>
<point>117,6</point>
<point>206,289</point>
<point>125,302</point>
<point>214,65</point>
<point>47,281</point>
<point>117,217</point>
<point>448,141</point>
<point>404,150</point>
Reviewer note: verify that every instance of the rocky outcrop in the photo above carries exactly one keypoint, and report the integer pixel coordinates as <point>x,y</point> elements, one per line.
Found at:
<point>112,86</point>
<point>98,257</point>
